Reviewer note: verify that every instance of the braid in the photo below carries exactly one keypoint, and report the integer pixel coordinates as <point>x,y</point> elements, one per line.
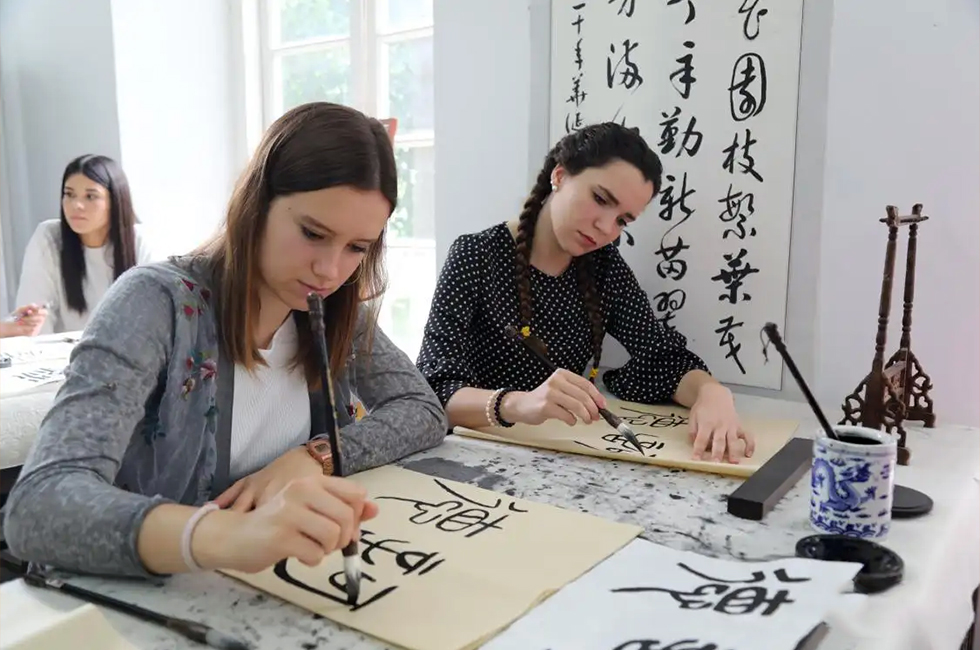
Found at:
<point>591,146</point>
<point>525,238</point>
<point>585,266</point>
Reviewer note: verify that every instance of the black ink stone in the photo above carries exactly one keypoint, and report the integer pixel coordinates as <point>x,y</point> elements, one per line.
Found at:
<point>882,567</point>
<point>908,503</point>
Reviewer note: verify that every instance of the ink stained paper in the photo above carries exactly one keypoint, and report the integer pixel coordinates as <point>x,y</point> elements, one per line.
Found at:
<point>662,431</point>
<point>650,597</point>
<point>474,558</point>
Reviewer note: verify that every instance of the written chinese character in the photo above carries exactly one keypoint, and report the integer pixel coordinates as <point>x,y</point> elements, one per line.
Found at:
<point>721,596</point>
<point>690,140</point>
<point>670,267</point>
<point>738,208</point>
<point>747,163</point>
<point>683,77</point>
<point>748,9</point>
<point>734,276</point>
<point>457,515</point>
<point>690,9</point>
<point>628,70</point>
<point>747,90</point>
<point>675,201</point>
<point>625,7</point>
<point>666,304</point>
<point>727,340</point>
<point>405,559</point>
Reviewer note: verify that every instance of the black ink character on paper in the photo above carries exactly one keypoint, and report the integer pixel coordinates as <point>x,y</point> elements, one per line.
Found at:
<point>408,561</point>
<point>690,9</point>
<point>37,375</point>
<point>725,597</point>
<point>690,142</point>
<point>459,514</point>
<point>739,207</point>
<point>628,70</point>
<point>670,267</point>
<point>672,201</point>
<point>625,7</point>
<point>727,340</point>
<point>747,91</point>
<point>748,9</point>
<point>747,163</point>
<point>734,276</point>
<point>637,418</point>
<point>650,447</point>
<point>683,77</point>
<point>666,304</point>
<point>655,644</point>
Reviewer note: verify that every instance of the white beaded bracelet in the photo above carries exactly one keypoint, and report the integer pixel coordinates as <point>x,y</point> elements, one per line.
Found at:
<point>491,418</point>
<point>185,538</point>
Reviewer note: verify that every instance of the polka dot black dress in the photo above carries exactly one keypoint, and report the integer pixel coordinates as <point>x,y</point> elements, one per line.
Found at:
<point>476,297</point>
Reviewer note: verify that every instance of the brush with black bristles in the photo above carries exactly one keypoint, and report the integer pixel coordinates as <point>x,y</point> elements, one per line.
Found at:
<point>539,349</point>
<point>352,556</point>
<point>191,629</point>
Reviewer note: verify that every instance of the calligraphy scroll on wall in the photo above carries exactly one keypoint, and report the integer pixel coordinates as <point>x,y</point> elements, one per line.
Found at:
<point>712,87</point>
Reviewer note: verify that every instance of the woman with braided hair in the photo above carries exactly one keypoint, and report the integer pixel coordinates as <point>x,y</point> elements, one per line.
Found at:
<point>555,272</point>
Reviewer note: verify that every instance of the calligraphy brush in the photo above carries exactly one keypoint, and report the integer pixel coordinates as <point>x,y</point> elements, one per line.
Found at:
<point>191,629</point>
<point>352,556</point>
<point>773,333</point>
<point>537,348</point>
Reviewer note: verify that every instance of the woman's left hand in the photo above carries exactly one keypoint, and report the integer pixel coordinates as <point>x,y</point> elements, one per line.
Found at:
<point>256,489</point>
<point>714,425</point>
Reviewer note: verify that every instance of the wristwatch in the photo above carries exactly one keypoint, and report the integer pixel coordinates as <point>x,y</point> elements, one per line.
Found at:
<point>320,450</point>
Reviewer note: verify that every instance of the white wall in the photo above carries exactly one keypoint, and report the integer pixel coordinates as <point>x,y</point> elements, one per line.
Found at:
<point>58,101</point>
<point>482,114</point>
<point>182,142</point>
<point>903,128</point>
<point>859,119</point>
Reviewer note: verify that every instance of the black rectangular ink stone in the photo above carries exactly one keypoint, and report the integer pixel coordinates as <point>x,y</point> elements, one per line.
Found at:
<point>761,491</point>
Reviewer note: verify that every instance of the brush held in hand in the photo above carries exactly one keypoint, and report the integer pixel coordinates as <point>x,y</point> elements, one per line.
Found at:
<point>352,555</point>
<point>540,350</point>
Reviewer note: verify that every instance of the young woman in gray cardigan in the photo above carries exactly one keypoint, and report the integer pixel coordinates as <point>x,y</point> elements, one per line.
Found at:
<point>178,440</point>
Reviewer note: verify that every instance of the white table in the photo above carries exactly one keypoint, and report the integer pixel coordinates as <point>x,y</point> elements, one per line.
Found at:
<point>22,405</point>
<point>930,610</point>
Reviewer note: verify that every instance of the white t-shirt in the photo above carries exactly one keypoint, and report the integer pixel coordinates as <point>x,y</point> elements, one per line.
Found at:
<point>40,278</point>
<point>271,407</point>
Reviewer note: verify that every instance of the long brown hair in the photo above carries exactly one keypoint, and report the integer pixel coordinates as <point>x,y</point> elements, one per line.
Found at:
<point>311,147</point>
<point>592,146</point>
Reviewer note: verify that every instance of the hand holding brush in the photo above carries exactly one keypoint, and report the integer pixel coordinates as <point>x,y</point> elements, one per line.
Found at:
<point>539,350</point>
<point>352,556</point>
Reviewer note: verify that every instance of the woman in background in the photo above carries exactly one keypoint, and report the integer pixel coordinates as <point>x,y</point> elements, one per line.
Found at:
<point>70,262</point>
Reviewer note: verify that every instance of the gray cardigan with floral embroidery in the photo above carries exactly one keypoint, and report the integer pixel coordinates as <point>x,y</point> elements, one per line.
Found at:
<point>144,418</point>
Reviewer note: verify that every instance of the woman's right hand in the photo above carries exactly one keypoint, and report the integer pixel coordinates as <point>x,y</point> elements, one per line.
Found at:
<point>308,519</point>
<point>563,396</point>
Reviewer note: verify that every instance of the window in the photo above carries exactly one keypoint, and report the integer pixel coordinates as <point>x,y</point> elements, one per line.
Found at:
<point>374,55</point>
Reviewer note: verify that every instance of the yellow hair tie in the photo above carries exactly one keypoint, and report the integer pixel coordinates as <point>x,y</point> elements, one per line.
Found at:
<point>526,331</point>
<point>593,373</point>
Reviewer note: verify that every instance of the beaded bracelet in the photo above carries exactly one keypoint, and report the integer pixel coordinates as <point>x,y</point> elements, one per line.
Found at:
<point>496,407</point>
<point>490,410</point>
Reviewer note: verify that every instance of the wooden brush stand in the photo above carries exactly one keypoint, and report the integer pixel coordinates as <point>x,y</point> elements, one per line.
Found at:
<point>897,390</point>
